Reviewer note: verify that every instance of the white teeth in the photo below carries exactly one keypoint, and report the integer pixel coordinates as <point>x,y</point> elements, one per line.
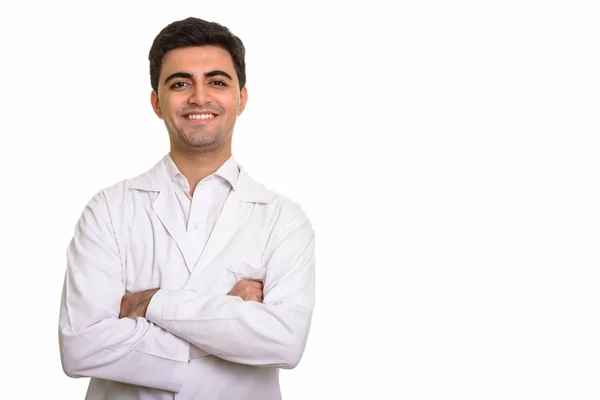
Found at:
<point>200,116</point>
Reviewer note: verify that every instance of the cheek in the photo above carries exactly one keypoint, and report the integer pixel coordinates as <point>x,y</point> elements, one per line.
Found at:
<point>171,105</point>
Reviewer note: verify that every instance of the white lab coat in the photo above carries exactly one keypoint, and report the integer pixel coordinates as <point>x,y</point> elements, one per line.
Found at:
<point>195,342</point>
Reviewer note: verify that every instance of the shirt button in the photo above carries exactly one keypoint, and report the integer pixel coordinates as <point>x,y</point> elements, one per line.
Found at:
<point>195,225</point>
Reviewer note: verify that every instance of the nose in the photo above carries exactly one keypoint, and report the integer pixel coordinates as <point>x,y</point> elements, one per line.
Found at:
<point>200,95</point>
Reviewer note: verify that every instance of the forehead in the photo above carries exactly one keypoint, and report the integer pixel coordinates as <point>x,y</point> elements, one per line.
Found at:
<point>197,59</point>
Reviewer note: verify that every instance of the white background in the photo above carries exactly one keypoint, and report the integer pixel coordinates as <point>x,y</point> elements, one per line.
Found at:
<point>446,152</point>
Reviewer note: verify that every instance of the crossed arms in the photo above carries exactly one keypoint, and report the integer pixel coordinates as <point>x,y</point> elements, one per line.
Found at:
<point>144,338</point>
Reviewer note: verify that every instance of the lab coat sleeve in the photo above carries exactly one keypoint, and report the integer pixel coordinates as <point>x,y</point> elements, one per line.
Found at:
<point>271,334</point>
<point>93,341</point>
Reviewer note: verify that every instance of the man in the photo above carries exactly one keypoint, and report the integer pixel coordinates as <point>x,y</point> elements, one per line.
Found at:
<point>190,281</point>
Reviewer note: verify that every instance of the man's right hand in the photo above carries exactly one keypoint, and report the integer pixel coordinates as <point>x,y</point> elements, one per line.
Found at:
<point>248,290</point>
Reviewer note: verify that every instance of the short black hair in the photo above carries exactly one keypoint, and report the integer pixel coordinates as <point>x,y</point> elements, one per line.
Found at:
<point>196,32</point>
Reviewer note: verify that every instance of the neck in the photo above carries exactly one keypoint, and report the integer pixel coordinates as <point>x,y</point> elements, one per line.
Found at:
<point>197,166</point>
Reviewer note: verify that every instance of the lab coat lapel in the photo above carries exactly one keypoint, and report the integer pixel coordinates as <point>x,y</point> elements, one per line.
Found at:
<point>232,218</point>
<point>163,207</point>
<point>157,180</point>
<point>235,215</point>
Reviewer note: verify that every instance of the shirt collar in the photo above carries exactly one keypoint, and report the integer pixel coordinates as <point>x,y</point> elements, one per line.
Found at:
<point>246,189</point>
<point>229,171</point>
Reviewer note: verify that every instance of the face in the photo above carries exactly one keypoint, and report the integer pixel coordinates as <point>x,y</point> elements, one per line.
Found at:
<point>199,98</point>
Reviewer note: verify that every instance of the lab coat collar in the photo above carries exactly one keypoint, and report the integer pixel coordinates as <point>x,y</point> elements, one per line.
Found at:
<point>246,189</point>
<point>233,216</point>
<point>228,171</point>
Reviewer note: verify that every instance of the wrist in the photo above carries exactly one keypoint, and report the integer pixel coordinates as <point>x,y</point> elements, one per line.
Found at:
<point>145,300</point>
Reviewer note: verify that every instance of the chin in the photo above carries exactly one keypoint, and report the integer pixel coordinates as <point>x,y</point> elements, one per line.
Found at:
<point>201,141</point>
<point>202,144</point>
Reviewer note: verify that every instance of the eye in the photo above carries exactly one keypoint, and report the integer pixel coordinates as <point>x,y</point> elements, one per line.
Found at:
<point>218,83</point>
<point>179,85</point>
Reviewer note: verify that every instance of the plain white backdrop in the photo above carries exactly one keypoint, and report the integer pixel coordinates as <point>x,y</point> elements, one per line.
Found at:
<point>446,152</point>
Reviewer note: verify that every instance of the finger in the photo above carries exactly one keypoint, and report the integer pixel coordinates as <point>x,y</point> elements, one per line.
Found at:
<point>245,288</point>
<point>254,298</point>
<point>257,295</point>
<point>245,283</point>
<point>254,290</point>
<point>240,292</point>
<point>254,284</point>
<point>123,309</point>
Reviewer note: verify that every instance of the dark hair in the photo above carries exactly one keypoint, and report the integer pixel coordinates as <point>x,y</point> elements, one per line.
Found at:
<point>196,32</point>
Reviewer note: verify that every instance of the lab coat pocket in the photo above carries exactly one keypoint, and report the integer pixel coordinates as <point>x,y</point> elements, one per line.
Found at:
<point>235,269</point>
<point>244,270</point>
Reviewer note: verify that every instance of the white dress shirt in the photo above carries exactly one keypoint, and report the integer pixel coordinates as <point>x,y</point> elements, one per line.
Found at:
<point>196,342</point>
<point>199,213</point>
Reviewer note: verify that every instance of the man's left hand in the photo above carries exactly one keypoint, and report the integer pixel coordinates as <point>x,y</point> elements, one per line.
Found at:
<point>135,304</point>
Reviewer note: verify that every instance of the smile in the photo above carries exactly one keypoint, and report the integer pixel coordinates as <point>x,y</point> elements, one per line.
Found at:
<point>200,116</point>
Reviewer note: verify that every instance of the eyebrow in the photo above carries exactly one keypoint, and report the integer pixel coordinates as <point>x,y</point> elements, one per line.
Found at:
<point>218,72</point>
<point>178,75</point>
<point>209,74</point>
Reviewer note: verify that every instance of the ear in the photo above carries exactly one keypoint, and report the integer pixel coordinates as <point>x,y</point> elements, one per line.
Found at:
<point>155,104</point>
<point>243,100</point>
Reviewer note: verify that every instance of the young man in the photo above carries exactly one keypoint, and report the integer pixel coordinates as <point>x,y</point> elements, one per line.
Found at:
<point>190,281</point>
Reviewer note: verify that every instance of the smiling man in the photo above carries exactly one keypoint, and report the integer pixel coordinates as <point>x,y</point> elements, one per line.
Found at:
<point>190,281</point>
